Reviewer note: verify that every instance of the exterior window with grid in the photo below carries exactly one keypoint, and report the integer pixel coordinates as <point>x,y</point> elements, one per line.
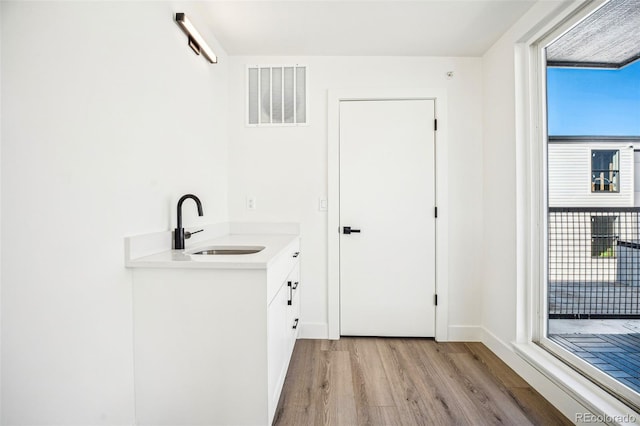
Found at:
<point>605,171</point>
<point>603,236</point>
<point>276,95</point>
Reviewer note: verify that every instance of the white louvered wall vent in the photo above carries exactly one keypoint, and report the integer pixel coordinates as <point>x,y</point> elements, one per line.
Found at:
<point>276,95</point>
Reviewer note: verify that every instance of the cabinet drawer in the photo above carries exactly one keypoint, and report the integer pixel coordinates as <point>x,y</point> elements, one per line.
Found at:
<point>279,271</point>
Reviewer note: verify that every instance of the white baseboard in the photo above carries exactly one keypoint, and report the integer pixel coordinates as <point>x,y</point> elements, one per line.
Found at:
<point>457,333</point>
<point>554,394</point>
<point>503,350</point>
<point>313,330</point>
<point>465,333</point>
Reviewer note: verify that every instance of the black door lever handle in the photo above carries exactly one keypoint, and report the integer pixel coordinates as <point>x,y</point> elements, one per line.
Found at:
<point>348,230</point>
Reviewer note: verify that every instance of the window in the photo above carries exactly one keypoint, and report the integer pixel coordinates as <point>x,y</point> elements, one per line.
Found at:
<point>587,260</point>
<point>604,171</point>
<point>603,236</point>
<point>276,95</point>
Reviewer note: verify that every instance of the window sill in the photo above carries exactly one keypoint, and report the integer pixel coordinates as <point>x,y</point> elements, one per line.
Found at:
<point>601,403</point>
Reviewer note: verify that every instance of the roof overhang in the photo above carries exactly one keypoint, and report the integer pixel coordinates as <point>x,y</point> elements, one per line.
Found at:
<point>608,38</point>
<point>596,139</point>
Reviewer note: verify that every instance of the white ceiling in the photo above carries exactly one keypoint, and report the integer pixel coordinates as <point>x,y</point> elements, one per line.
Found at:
<point>395,28</point>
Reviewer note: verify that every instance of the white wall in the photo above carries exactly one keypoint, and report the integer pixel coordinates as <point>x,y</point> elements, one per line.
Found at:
<point>285,168</point>
<point>108,117</point>
<point>107,121</point>
<point>569,169</point>
<point>498,248</point>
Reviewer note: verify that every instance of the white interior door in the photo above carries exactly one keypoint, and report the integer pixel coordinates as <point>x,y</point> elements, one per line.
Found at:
<point>387,192</point>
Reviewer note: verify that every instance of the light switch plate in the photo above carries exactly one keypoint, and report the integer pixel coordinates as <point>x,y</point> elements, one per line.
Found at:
<point>322,204</point>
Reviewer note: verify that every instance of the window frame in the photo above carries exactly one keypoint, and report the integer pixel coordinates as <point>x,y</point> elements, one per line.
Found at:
<point>535,241</point>
<point>607,239</point>
<point>617,172</point>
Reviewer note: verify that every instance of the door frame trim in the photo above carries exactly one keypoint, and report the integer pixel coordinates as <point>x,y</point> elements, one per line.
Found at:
<point>333,193</point>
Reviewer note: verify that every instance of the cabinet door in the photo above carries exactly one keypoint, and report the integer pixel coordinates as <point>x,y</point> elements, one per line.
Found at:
<point>277,338</point>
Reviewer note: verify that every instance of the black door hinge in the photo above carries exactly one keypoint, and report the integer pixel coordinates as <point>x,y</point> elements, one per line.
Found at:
<point>435,299</point>
<point>435,213</point>
<point>435,124</point>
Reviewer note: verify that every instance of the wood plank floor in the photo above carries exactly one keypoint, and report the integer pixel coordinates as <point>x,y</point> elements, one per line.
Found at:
<point>397,381</point>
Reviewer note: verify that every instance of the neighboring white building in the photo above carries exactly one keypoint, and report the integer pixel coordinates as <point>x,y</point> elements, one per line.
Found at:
<point>593,185</point>
<point>593,171</point>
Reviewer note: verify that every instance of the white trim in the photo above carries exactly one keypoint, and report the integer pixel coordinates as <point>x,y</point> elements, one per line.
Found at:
<point>605,381</point>
<point>441,161</point>
<point>590,396</point>
<point>531,171</point>
<point>570,392</point>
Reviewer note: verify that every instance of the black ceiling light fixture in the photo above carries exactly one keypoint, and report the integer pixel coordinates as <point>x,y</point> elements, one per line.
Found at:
<point>196,42</point>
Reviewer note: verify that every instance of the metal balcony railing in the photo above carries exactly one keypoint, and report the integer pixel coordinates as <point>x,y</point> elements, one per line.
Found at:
<point>594,262</point>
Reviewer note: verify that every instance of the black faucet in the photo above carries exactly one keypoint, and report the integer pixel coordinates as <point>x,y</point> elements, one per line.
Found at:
<point>178,233</point>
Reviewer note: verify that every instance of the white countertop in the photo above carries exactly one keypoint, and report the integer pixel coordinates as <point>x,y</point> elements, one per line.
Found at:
<point>273,244</point>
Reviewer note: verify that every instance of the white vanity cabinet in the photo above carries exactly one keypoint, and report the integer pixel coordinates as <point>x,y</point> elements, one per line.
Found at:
<point>212,345</point>
<point>283,319</point>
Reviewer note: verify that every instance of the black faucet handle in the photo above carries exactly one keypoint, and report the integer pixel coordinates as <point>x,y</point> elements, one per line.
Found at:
<point>188,234</point>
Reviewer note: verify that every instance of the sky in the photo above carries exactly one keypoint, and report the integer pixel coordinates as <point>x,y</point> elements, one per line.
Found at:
<point>594,102</point>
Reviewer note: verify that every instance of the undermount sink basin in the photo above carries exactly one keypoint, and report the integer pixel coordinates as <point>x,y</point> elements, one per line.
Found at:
<point>227,250</point>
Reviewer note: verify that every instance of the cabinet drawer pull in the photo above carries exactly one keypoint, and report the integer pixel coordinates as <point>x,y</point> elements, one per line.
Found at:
<point>295,285</point>
<point>290,293</point>
<point>295,324</point>
<point>296,254</point>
